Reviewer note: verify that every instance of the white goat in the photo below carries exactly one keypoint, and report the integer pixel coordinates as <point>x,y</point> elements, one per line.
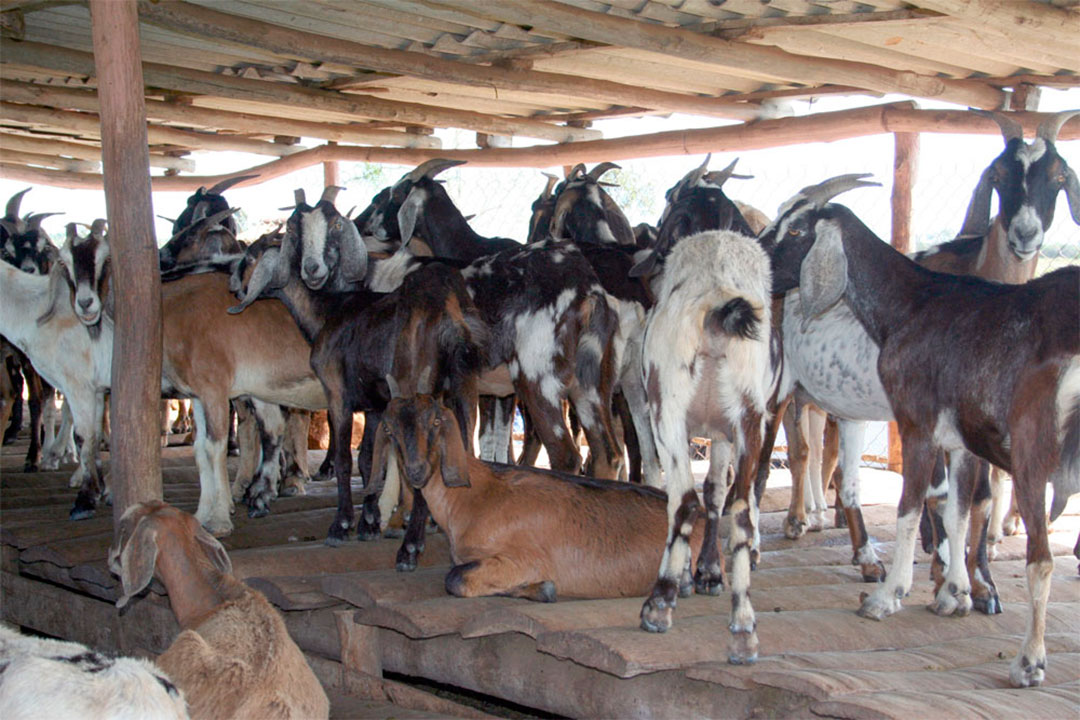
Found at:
<point>41,678</point>
<point>709,370</point>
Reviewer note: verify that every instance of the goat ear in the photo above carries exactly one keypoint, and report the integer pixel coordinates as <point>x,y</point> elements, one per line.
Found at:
<point>57,285</point>
<point>137,560</point>
<point>408,213</point>
<point>214,550</point>
<point>354,255</point>
<point>380,456</point>
<point>646,266</point>
<point>262,276</point>
<point>1072,193</point>
<point>977,219</point>
<point>823,275</point>
<point>453,459</point>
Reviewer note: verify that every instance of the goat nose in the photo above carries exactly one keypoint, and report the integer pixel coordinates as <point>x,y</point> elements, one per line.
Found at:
<point>311,266</point>
<point>86,302</point>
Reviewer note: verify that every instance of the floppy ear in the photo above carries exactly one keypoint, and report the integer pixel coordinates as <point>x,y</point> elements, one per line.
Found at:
<point>1072,194</point>
<point>213,549</point>
<point>379,457</point>
<point>263,276</point>
<point>408,213</point>
<point>58,283</point>
<point>977,219</point>
<point>453,460</point>
<point>137,560</point>
<point>823,275</point>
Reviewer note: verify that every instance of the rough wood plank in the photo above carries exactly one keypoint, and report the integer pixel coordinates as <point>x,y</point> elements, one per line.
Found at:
<point>627,652</point>
<point>386,587</point>
<point>292,592</point>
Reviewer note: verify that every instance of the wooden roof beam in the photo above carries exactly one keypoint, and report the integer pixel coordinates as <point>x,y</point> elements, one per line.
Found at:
<point>820,127</point>
<point>732,29</point>
<point>184,80</point>
<point>87,100</point>
<point>89,125</point>
<point>60,148</point>
<point>1033,20</point>
<point>205,22</point>
<point>51,161</point>
<point>740,58</point>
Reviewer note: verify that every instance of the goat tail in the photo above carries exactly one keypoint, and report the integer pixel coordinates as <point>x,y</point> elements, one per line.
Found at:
<point>595,357</point>
<point>737,318</point>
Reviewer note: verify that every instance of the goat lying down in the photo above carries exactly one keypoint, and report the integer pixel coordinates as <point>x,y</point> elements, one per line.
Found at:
<point>520,531</point>
<point>709,369</point>
<point>42,678</point>
<point>234,657</point>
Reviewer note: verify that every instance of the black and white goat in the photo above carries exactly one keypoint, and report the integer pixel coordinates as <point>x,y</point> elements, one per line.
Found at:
<point>585,213</point>
<point>418,205</point>
<point>205,229</point>
<point>1013,399</point>
<point>425,335</point>
<point>43,317</point>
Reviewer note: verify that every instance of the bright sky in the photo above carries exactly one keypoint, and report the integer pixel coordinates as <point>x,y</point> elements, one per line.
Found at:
<point>949,168</point>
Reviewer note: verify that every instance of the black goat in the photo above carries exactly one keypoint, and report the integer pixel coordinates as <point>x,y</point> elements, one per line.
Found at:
<point>204,229</point>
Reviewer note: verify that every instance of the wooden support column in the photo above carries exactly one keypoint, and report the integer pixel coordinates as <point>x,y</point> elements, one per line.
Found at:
<point>136,282</point>
<point>905,165</point>
<point>330,171</point>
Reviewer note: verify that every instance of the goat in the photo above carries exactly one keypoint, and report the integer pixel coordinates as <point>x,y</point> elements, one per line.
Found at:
<point>204,229</point>
<point>519,531</point>
<point>58,679</point>
<point>1014,400</point>
<point>427,332</point>
<point>1006,248</point>
<point>36,318</point>
<point>418,205</point>
<point>585,213</point>
<point>233,657</point>
<point>709,371</point>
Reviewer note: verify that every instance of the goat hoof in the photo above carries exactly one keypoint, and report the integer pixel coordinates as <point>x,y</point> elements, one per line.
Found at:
<point>1009,527</point>
<point>258,511</point>
<point>990,605</point>
<point>367,534</point>
<point>30,467</point>
<point>337,534</point>
<point>874,607</point>
<point>1024,673</point>
<point>406,558</point>
<point>744,648</point>
<point>394,533</point>
<point>656,615</point>
<point>78,513</point>
<point>755,556</point>
<point>794,528</point>
<point>709,582</point>
<point>874,573</point>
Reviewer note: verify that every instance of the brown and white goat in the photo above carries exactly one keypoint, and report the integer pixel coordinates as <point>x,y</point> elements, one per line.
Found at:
<point>204,230</point>
<point>520,531</point>
<point>709,372</point>
<point>1010,391</point>
<point>233,657</point>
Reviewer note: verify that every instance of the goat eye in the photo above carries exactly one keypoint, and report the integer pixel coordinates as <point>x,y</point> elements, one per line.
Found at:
<point>386,428</point>
<point>436,422</point>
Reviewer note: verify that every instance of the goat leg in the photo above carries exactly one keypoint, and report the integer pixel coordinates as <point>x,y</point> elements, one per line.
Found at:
<point>340,431</point>
<point>984,595</point>
<point>852,434</point>
<point>498,575</point>
<point>709,575</point>
<point>13,376</point>
<point>35,399</point>
<point>794,428</point>
<point>743,540</point>
<point>413,543</point>
<point>370,525</point>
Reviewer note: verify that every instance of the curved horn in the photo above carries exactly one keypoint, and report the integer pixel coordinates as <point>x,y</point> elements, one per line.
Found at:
<point>208,222</point>
<point>33,222</point>
<point>1009,128</point>
<point>228,183</point>
<point>719,178</point>
<point>431,168</point>
<point>14,202</point>
<point>1050,127</point>
<point>395,390</point>
<point>330,192</point>
<point>298,197</point>
<point>171,221</point>
<point>71,231</point>
<point>552,181</point>
<point>578,169</point>
<point>425,385</point>
<point>558,219</point>
<point>597,172</point>
<point>825,191</point>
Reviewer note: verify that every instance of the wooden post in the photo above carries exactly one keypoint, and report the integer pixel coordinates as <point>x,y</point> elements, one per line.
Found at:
<point>330,171</point>
<point>905,165</point>
<point>136,282</point>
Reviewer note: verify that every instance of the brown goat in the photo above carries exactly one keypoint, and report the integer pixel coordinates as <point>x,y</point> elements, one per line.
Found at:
<point>234,657</point>
<point>520,531</point>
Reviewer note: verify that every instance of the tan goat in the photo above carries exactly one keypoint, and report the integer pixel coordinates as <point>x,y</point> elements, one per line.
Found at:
<point>234,658</point>
<point>520,531</point>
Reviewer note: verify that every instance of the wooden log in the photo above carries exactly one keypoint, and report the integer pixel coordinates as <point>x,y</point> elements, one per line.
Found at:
<point>821,127</point>
<point>205,22</point>
<point>90,124</point>
<point>87,100</point>
<point>198,82</point>
<point>135,454</point>
<point>767,64</point>
<point>49,161</point>
<point>1040,22</point>
<point>51,146</point>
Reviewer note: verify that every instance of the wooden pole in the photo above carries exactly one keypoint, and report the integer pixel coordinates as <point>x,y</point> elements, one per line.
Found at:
<point>136,282</point>
<point>330,171</point>
<point>905,166</point>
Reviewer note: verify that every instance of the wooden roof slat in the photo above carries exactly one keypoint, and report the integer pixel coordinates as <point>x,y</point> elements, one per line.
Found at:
<point>81,151</point>
<point>1027,21</point>
<point>258,91</point>
<point>192,19</point>
<point>745,59</point>
<point>74,99</point>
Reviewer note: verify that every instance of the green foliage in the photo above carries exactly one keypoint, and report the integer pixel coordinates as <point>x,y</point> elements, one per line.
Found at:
<point>640,198</point>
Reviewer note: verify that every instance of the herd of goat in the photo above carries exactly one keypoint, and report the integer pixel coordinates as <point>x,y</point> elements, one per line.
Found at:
<point>710,325</point>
